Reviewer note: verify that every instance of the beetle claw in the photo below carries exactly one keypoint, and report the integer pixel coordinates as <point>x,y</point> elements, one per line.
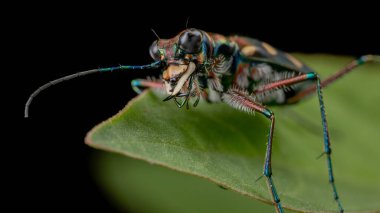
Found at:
<point>182,95</point>
<point>168,98</point>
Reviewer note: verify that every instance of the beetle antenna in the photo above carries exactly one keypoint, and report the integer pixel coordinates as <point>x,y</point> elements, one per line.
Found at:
<point>187,21</point>
<point>155,34</point>
<point>153,65</point>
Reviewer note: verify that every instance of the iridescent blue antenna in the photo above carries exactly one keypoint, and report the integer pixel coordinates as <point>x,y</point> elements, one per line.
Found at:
<point>69,77</point>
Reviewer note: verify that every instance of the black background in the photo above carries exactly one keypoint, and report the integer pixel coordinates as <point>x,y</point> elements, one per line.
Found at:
<point>53,172</point>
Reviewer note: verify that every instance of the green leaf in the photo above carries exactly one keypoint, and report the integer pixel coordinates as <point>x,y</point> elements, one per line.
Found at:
<point>227,147</point>
<point>136,186</point>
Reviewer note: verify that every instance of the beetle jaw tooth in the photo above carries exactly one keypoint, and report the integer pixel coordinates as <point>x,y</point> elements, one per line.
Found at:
<point>174,91</point>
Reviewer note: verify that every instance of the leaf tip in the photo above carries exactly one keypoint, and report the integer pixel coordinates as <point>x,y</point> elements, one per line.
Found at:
<point>89,140</point>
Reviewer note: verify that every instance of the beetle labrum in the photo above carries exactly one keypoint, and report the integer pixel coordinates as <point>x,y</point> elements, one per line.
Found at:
<point>245,73</point>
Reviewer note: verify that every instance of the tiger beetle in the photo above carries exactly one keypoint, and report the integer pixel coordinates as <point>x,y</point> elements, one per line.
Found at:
<point>245,73</point>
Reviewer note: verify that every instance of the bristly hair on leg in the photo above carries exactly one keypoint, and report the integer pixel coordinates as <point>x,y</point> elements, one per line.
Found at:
<point>221,64</point>
<point>277,93</point>
<point>237,101</point>
<point>278,77</point>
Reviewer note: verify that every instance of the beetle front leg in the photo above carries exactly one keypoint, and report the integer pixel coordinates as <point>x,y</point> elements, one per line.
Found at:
<point>138,84</point>
<point>242,101</point>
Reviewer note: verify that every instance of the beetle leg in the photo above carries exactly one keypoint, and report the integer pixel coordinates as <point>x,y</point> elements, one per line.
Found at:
<point>138,84</point>
<point>347,69</point>
<point>242,101</point>
<point>326,137</point>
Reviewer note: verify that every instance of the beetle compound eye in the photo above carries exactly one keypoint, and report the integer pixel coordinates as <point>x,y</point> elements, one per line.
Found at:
<point>191,41</point>
<point>154,52</point>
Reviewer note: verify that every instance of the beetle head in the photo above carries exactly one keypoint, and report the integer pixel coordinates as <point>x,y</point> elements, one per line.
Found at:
<point>182,57</point>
